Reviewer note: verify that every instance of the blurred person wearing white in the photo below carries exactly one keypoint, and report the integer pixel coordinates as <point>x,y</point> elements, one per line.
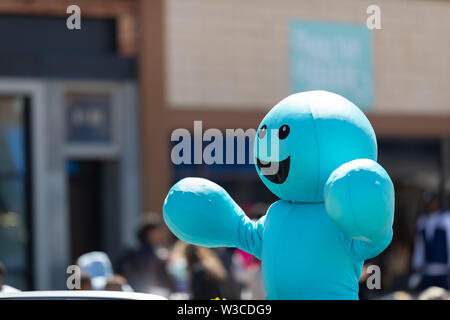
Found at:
<point>431,257</point>
<point>98,267</point>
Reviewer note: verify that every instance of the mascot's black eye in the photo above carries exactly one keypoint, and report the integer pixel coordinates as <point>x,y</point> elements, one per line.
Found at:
<point>262,132</point>
<point>283,132</point>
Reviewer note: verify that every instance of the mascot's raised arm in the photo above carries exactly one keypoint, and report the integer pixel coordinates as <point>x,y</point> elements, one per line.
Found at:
<point>317,152</point>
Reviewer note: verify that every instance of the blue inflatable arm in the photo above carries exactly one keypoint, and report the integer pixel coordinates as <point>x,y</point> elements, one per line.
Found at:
<point>359,198</point>
<point>201,212</point>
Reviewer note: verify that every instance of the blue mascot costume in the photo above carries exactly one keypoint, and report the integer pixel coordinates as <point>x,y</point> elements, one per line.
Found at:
<point>336,202</point>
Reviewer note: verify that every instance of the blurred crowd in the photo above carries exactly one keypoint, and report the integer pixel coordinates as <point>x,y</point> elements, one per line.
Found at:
<point>420,270</point>
<point>160,264</point>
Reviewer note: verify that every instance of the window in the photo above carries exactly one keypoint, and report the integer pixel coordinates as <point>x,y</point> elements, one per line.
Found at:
<point>15,191</point>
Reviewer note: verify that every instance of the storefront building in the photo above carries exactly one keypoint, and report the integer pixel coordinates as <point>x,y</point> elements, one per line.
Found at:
<point>69,135</point>
<point>146,68</point>
<point>227,63</point>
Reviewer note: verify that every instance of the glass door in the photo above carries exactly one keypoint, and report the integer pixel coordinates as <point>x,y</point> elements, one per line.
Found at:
<point>15,191</point>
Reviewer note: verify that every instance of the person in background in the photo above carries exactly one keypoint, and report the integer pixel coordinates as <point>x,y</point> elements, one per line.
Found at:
<point>207,274</point>
<point>86,281</point>
<point>431,257</point>
<point>397,295</point>
<point>434,293</point>
<point>144,266</point>
<point>232,288</point>
<point>98,266</point>
<point>3,287</point>
<point>116,283</point>
<point>247,269</point>
<point>177,269</point>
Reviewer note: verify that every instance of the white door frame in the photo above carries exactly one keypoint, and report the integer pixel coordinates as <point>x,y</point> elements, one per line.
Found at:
<point>50,220</point>
<point>49,239</point>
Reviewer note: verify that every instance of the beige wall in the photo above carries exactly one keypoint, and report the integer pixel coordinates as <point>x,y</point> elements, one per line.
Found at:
<point>234,54</point>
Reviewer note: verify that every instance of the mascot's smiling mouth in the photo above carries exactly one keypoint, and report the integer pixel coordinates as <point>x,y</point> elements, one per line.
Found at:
<point>268,167</point>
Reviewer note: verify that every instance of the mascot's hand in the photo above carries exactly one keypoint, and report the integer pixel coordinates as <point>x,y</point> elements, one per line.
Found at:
<point>359,198</point>
<point>201,212</point>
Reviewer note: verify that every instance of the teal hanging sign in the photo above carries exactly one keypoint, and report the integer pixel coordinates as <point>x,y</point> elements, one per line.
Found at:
<point>332,56</point>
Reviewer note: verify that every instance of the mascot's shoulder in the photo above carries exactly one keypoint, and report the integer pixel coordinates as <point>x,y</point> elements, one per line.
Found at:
<point>279,205</point>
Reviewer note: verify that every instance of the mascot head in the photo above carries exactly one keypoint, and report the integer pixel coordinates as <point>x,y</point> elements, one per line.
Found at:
<point>304,138</point>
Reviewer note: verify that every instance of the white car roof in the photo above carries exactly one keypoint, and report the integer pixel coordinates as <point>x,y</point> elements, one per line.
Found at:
<point>79,295</point>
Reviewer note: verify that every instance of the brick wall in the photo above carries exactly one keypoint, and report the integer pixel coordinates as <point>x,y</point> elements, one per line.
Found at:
<point>234,54</point>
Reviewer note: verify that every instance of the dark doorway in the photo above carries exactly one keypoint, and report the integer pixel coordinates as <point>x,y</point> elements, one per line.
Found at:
<point>85,207</point>
<point>93,206</point>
